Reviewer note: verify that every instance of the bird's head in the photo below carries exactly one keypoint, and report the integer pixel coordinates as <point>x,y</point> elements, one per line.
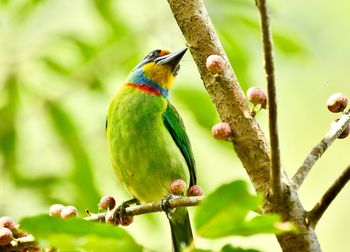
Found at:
<point>159,67</point>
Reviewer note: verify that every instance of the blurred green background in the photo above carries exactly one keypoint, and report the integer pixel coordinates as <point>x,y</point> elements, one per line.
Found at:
<point>61,62</point>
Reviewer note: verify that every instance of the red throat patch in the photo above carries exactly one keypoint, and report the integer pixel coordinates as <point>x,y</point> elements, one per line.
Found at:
<point>145,88</point>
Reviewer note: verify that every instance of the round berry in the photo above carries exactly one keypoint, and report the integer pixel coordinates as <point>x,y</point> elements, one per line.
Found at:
<point>257,96</point>
<point>195,190</point>
<point>7,222</point>
<point>337,102</point>
<point>5,236</point>
<point>106,202</point>
<point>221,131</point>
<point>68,211</point>
<point>178,187</point>
<point>126,220</point>
<point>215,64</point>
<point>55,209</point>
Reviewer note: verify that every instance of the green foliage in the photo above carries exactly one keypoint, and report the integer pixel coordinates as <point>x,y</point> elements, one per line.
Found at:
<point>203,103</point>
<point>82,169</point>
<point>225,212</point>
<point>8,113</point>
<point>56,52</point>
<point>78,234</point>
<point>229,248</point>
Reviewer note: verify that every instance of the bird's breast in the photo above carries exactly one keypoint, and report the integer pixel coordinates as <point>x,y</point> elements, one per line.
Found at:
<point>144,156</point>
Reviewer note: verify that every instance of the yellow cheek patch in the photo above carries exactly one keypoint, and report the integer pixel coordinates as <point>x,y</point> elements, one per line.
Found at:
<point>161,74</point>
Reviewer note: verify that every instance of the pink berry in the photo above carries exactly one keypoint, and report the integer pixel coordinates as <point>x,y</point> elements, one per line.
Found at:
<point>221,131</point>
<point>68,211</point>
<point>195,190</point>
<point>106,203</point>
<point>337,102</point>
<point>215,64</point>
<point>7,222</point>
<point>178,187</point>
<point>5,236</point>
<point>257,96</point>
<point>55,209</point>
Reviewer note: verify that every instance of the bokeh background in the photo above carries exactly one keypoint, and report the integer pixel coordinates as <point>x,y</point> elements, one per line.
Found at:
<point>61,62</point>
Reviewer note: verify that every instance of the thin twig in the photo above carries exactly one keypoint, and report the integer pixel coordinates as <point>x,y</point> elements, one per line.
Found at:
<point>275,179</point>
<point>316,213</point>
<point>151,207</point>
<point>320,148</point>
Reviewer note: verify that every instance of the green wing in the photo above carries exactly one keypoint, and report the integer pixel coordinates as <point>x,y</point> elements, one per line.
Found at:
<point>176,128</point>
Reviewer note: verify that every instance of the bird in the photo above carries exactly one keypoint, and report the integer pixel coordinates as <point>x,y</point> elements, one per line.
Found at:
<point>147,141</point>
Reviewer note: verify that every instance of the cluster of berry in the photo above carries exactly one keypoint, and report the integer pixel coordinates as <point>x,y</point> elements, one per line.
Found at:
<point>14,239</point>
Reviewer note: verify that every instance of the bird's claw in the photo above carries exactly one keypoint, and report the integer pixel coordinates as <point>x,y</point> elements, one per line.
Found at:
<point>165,203</point>
<point>119,213</point>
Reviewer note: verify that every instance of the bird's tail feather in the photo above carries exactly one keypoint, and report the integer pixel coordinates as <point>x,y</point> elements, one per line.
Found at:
<point>181,232</point>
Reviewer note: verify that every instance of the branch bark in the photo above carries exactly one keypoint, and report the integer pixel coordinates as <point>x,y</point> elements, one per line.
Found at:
<point>248,140</point>
<point>316,213</point>
<point>320,148</point>
<point>276,185</point>
<point>151,207</point>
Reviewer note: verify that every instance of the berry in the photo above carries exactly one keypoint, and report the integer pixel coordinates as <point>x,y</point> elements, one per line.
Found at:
<point>126,220</point>
<point>345,132</point>
<point>5,236</point>
<point>55,209</point>
<point>7,222</point>
<point>337,102</point>
<point>68,211</point>
<point>106,202</point>
<point>215,64</point>
<point>257,96</point>
<point>221,131</point>
<point>195,190</point>
<point>178,187</point>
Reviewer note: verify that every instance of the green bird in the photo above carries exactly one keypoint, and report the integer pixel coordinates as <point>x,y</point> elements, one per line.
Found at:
<point>147,140</point>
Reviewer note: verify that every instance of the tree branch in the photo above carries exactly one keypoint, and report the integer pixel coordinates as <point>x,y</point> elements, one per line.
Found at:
<point>248,140</point>
<point>151,207</point>
<point>316,213</point>
<point>275,181</point>
<point>320,148</point>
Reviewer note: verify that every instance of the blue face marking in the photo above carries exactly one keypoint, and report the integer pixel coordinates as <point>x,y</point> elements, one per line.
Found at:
<point>139,77</point>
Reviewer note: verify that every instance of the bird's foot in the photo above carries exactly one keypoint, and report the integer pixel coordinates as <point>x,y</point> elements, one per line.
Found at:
<point>165,203</point>
<point>119,214</point>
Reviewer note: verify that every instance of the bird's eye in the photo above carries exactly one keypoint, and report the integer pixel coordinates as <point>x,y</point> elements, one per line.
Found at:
<point>153,55</point>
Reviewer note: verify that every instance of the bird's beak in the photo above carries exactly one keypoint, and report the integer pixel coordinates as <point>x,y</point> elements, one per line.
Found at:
<point>171,59</point>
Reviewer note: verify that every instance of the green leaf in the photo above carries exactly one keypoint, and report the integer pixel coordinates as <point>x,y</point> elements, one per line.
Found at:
<point>85,48</point>
<point>56,66</point>
<point>86,194</point>
<point>224,212</point>
<point>9,97</point>
<point>106,10</point>
<point>289,44</point>
<point>79,233</point>
<point>229,248</point>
